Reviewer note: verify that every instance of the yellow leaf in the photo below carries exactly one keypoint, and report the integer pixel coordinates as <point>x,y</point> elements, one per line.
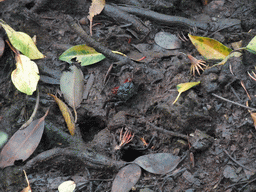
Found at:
<point>22,42</point>
<point>117,52</point>
<point>84,54</point>
<point>210,48</point>
<point>234,54</point>
<point>182,87</point>
<point>69,119</point>
<point>253,115</point>
<point>25,77</point>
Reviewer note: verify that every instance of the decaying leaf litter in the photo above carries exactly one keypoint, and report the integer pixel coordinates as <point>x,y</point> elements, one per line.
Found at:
<point>217,160</point>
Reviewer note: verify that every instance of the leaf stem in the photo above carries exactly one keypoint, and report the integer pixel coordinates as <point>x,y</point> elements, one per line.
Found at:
<point>34,112</point>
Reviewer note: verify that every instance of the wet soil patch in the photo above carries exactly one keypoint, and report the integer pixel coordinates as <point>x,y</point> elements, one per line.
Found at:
<point>134,99</point>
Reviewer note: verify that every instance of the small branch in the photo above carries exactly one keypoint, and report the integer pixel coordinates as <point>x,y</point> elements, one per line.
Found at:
<point>235,103</point>
<point>96,45</point>
<point>77,150</point>
<point>34,112</point>
<point>88,156</point>
<point>124,17</point>
<point>182,21</point>
<point>241,165</point>
<point>171,133</point>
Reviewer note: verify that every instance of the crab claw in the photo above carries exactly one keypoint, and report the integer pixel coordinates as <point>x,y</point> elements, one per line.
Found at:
<point>196,65</point>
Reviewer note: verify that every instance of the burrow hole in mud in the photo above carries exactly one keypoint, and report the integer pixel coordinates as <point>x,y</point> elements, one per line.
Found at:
<point>30,5</point>
<point>129,154</point>
<point>90,126</point>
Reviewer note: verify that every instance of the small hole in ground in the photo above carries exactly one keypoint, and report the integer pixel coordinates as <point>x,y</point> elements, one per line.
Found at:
<point>90,126</point>
<point>30,5</point>
<point>129,154</point>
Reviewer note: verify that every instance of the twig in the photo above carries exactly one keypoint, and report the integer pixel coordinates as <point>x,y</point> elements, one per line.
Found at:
<point>88,156</point>
<point>233,102</point>
<point>176,20</point>
<point>34,112</point>
<point>124,17</point>
<point>168,132</point>
<point>241,165</point>
<point>121,60</point>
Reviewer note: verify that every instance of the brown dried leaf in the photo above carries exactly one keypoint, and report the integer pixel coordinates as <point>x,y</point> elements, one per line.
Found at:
<point>69,119</point>
<point>126,178</point>
<point>159,163</point>
<point>96,7</point>
<point>23,143</point>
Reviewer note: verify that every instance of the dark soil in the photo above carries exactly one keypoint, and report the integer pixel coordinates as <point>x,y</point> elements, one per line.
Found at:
<point>148,112</point>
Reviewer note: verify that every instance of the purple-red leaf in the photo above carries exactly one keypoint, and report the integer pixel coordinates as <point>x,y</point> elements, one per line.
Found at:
<point>23,143</point>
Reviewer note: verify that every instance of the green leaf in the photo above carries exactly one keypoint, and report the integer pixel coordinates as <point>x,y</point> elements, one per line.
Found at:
<point>182,87</point>
<point>210,48</point>
<point>72,87</point>
<point>251,47</point>
<point>3,138</point>
<point>25,77</point>
<point>84,54</point>
<point>22,42</point>
<point>234,54</point>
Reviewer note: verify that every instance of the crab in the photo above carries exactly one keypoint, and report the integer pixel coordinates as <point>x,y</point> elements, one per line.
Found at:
<point>196,65</point>
<point>120,95</point>
<point>124,138</point>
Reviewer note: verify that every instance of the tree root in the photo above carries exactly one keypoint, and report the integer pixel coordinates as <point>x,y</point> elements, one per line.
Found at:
<point>122,16</point>
<point>121,60</point>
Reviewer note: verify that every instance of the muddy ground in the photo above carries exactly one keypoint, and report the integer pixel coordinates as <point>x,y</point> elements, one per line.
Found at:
<point>226,162</point>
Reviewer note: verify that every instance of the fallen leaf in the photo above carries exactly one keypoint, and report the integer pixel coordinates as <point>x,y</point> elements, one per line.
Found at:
<point>23,143</point>
<point>22,42</point>
<point>2,46</point>
<point>25,77</point>
<point>210,48</point>
<point>69,119</point>
<point>159,163</point>
<point>84,54</point>
<point>96,7</point>
<point>253,115</point>
<point>168,40</point>
<point>3,138</point>
<point>67,186</point>
<point>72,87</point>
<point>237,45</point>
<point>150,52</point>
<point>182,87</point>
<point>234,54</point>
<point>251,47</point>
<point>126,178</point>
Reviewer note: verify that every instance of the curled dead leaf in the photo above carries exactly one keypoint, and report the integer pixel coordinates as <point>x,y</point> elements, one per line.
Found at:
<point>69,119</point>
